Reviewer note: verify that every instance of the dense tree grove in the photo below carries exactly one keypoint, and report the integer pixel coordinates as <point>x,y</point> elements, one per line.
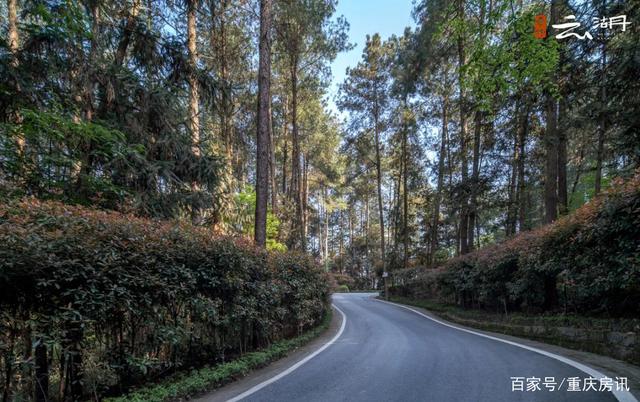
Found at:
<point>150,107</point>
<point>468,129</point>
<point>462,131</point>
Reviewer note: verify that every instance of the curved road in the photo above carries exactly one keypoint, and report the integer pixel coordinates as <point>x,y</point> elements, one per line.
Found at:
<point>389,353</point>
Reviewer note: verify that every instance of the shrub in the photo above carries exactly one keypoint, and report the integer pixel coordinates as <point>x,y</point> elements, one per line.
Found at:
<point>587,263</point>
<point>342,289</point>
<point>145,297</point>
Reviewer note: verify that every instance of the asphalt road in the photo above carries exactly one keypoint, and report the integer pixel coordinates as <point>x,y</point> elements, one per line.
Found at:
<point>389,353</point>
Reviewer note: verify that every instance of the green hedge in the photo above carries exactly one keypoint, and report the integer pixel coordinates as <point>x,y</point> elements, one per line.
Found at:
<point>585,263</point>
<point>94,302</point>
<point>187,385</point>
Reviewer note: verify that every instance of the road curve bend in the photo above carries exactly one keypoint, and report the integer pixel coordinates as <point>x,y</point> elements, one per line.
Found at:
<point>387,352</point>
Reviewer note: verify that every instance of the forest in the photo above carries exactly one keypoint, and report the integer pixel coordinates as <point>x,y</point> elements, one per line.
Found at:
<point>461,132</point>
<point>124,117</point>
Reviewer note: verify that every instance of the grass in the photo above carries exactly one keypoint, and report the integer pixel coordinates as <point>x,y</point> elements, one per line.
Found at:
<point>206,379</point>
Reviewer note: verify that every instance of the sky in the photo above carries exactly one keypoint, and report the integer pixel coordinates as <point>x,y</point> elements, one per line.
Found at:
<point>387,17</point>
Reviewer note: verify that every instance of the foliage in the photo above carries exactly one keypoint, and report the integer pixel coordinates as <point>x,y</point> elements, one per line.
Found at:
<point>243,219</point>
<point>51,166</point>
<point>586,263</point>
<point>143,298</point>
<point>207,378</point>
<point>343,289</point>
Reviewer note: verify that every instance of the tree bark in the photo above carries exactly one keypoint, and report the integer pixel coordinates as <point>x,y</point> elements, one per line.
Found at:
<point>298,241</point>
<point>285,147</point>
<point>405,193</point>
<point>602,126</point>
<point>13,43</point>
<point>510,226</point>
<point>475,170</point>
<point>475,179</point>
<point>305,196</point>
<point>264,126</point>
<point>550,141</point>
<point>438,196</point>
<point>41,390</point>
<point>376,129</point>
<point>129,27</point>
<point>522,143</point>
<point>551,162</point>
<point>563,203</point>
<point>272,162</point>
<point>194,99</point>
<point>464,218</point>
<point>12,32</point>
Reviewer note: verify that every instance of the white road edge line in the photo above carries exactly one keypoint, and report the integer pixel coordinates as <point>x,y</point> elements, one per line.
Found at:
<point>622,396</point>
<point>291,369</point>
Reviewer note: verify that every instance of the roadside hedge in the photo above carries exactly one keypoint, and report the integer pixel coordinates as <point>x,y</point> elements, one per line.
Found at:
<point>92,302</point>
<point>586,263</point>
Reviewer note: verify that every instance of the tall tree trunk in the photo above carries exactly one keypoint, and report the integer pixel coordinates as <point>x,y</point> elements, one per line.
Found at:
<point>405,193</point>
<point>12,31</point>
<point>227,106</point>
<point>376,130</point>
<point>523,133</point>
<point>264,126</point>
<point>475,170</point>
<point>129,27</point>
<point>367,246</point>
<point>551,162</point>
<point>563,203</point>
<point>326,225</point>
<point>305,196</point>
<point>13,43</point>
<point>550,141</point>
<point>193,118</point>
<point>299,241</point>
<point>602,126</point>
<point>341,239</point>
<point>579,168</point>
<point>41,390</point>
<point>285,146</point>
<point>510,226</point>
<point>85,101</point>
<point>464,217</point>
<point>440,184</point>
<point>272,162</point>
<point>397,215</point>
<point>551,171</point>
<point>192,78</point>
<point>475,179</point>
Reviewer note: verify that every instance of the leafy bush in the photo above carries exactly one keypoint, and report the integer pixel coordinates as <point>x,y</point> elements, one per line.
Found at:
<point>585,263</point>
<point>199,381</point>
<point>342,289</point>
<point>145,297</point>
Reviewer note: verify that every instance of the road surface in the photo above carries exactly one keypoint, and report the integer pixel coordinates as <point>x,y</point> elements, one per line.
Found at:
<point>389,353</point>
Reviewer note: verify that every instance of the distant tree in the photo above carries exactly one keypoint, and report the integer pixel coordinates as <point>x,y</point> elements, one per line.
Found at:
<point>365,95</point>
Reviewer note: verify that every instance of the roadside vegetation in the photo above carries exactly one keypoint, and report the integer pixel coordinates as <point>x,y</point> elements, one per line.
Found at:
<point>587,263</point>
<point>93,303</point>
<point>186,385</point>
